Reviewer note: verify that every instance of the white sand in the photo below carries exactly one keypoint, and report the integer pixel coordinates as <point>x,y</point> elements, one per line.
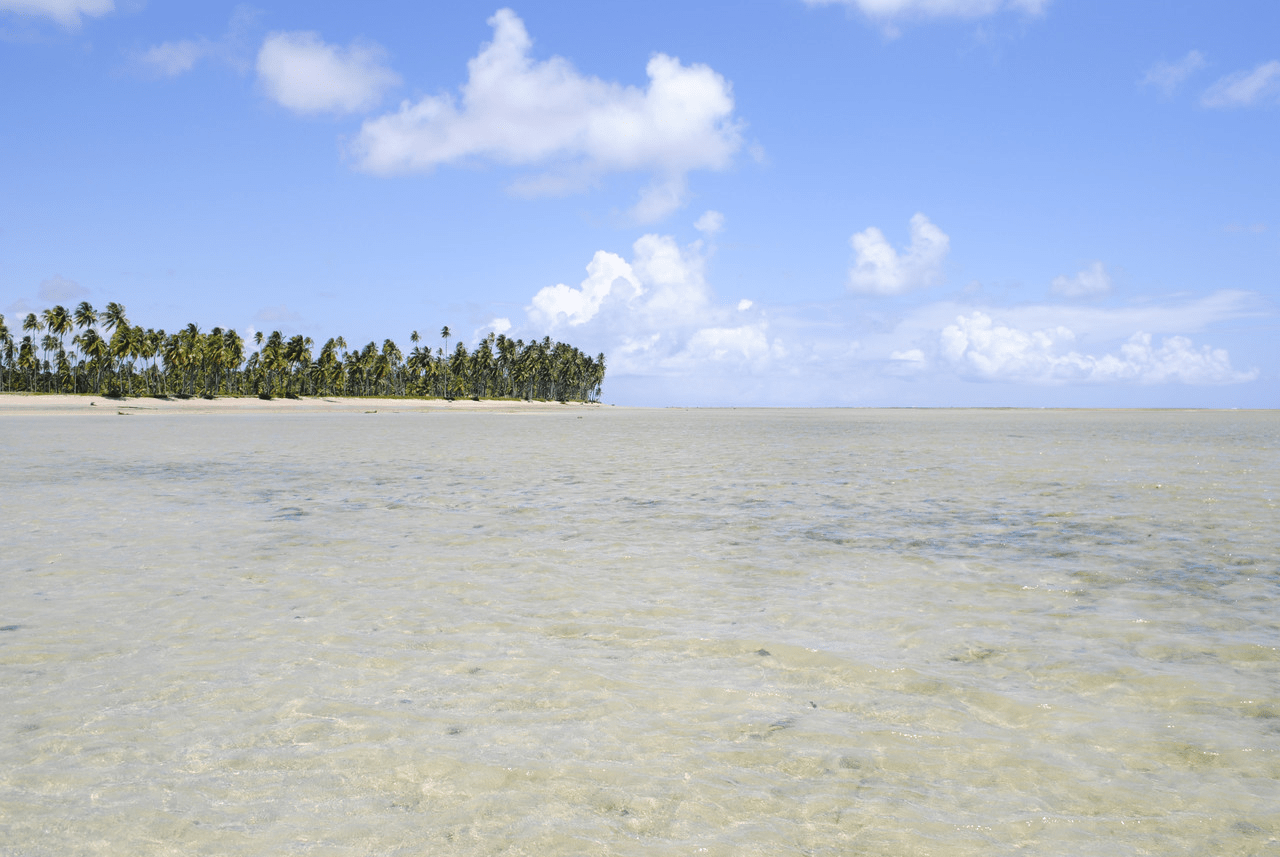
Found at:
<point>12,404</point>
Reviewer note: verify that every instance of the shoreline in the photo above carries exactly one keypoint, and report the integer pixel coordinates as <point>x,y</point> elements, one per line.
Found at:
<point>56,404</point>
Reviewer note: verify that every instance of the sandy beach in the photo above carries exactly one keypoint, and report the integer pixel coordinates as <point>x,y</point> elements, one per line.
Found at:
<point>26,404</point>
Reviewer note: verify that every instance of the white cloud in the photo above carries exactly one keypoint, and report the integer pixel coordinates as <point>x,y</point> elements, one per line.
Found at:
<point>1168,76</point>
<point>709,223</point>
<point>976,346</point>
<point>1095,324</point>
<point>235,47</point>
<point>65,12</point>
<point>303,73</point>
<point>171,59</point>
<point>655,314</point>
<point>1093,280</point>
<point>888,11</point>
<point>879,269</point>
<point>607,274</point>
<point>662,285</point>
<point>59,290</point>
<point>515,110</point>
<point>1245,88</point>
<point>1157,317</point>
<point>748,343</point>
<point>676,286</point>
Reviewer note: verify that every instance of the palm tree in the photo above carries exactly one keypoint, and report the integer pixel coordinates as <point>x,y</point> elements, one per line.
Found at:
<point>273,359</point>
<point>58,322</point>
<point>297,354</point>
<point>190,361</point>
<point>113,317</point>
<point>598,378</point>
<point>32,325</point>
<point>232,354</point>
<point>393,357</point>
<point>85,315</point>
<point>457,372</point>
<point>90,342</point>
<point>154,344</point>
<point>6,352</point>
<point>122,348</point>
<point>115,323</point>
<point>28,362</point>
<point>189,357</point>
<point>85,318</point>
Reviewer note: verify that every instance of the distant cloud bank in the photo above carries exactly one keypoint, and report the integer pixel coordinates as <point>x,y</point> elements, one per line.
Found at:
<point>657,316</point>
<point>976,346</point>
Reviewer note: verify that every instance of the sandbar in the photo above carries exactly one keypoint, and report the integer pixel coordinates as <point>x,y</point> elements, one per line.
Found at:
<point>49,404</point>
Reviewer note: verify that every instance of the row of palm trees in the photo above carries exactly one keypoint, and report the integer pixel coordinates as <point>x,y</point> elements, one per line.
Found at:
<point>109,355</point>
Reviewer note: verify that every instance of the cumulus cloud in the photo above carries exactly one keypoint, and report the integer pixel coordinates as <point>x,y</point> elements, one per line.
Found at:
<point>1093,280</point>
<point>1245,88</point>
<point>879,269</point>
<point>653,312</point>
<point>59,290</point>
<point>65,12</point>
<point>977,346</point>
<point>302,72</point>
<point>1168,76</point>
<point>519,111</point>
<point>664,284</point>
<point>656,315</point>
<point>607,274</point>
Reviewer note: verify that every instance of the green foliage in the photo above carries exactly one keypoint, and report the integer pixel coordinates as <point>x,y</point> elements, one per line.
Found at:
<point>111,356</point>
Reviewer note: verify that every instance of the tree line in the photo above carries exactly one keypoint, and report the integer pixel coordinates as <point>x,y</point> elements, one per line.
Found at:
<point>108,355</point>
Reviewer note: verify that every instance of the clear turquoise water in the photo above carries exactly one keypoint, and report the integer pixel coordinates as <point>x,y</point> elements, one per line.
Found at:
<point>641,632</point>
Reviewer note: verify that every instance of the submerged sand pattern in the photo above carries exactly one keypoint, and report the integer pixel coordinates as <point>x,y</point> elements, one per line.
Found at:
<point>594,630</point>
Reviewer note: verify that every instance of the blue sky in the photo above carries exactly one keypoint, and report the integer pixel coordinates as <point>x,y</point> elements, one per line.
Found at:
<point>851,202</point>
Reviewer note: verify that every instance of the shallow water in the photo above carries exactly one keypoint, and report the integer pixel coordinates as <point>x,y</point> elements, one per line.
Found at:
<point>641,632</point>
